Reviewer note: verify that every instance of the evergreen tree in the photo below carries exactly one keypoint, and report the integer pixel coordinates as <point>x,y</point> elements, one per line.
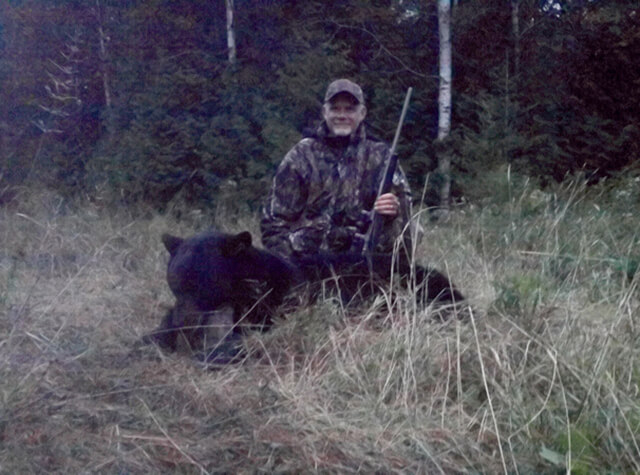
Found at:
<point>548,88</point>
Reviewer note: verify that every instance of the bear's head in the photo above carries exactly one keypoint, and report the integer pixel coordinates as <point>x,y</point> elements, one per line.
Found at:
<point>215,269</point>
<point>208,267</point>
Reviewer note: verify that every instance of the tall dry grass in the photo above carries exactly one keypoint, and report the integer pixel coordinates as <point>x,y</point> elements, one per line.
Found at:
<point>542,376</point>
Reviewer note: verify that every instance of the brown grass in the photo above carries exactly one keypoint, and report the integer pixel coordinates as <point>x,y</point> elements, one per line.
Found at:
<point>542,377</point>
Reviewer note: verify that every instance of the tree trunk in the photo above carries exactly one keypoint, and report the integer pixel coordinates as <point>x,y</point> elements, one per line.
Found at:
<point>231,37</point>
<point>103,38</point>
<point>444,104</point>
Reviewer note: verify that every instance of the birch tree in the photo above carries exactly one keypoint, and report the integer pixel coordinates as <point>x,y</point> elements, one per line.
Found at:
<point>231,37</point>
<point>103,54</point>
<point>444,103</point>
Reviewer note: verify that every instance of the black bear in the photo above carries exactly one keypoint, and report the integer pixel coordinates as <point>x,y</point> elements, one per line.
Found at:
<point>223,283</point>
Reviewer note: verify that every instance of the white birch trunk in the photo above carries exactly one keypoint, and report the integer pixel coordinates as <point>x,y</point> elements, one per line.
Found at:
<point>103,67</point>
<point>444,100</point>
<point>103,40</point>
<point>231,37</point>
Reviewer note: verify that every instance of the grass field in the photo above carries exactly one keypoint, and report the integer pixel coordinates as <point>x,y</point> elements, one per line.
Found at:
<point>543,376</point>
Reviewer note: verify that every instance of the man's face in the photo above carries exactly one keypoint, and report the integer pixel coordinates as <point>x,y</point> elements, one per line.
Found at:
<point>343,114</point>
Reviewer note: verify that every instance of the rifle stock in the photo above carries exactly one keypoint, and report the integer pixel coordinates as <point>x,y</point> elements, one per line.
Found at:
<point>371,237</point>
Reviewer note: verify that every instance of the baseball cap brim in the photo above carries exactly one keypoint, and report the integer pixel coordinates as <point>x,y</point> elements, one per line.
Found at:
<point>344,85</point>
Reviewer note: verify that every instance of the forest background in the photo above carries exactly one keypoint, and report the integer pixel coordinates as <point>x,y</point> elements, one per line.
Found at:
<point>130,101</point>
<point>124,119</point>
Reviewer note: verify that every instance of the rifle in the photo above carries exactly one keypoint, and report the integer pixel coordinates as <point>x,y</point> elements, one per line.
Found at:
<point>371,237</point>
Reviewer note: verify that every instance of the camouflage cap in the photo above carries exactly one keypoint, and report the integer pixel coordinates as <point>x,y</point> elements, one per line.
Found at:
<point>344,85</point>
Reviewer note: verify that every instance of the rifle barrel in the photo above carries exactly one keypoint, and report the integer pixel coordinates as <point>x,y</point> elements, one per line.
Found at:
<point>394,144</point>
<point>387,179</point>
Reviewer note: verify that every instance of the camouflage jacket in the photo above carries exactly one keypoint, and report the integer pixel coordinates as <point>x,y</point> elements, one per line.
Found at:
<point>323,192</point>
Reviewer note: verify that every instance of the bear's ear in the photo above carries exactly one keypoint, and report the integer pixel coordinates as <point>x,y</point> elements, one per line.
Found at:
<point>235,245</point>
<point>172,243</point>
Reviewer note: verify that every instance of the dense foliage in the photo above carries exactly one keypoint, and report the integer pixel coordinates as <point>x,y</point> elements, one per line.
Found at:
<point>137,100</point>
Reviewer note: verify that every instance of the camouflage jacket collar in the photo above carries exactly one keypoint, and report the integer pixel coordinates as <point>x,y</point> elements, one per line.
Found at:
<point>344,149</point>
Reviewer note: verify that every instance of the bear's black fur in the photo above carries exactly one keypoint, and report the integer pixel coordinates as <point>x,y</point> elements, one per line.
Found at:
<point>356,277</point>
<point>222,282</point>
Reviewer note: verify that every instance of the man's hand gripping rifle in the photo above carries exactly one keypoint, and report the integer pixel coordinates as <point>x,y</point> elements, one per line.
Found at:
<point>371,238</point>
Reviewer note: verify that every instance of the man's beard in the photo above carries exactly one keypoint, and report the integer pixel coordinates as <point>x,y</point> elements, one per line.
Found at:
<point>342,130</point>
